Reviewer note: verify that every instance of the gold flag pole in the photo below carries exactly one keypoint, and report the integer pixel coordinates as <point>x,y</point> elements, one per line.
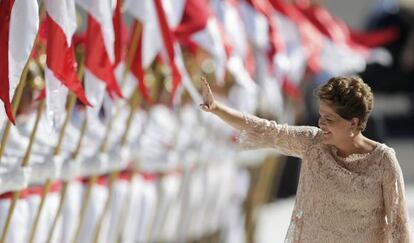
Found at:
<point>114,175</point>
<point>124,210</point>
<point>25,163</point>
<point>130,58</point>
<point>57,150</point>
<point>19,90</point>
<point>15,105</point>
<point>134,100</point>
<point>85,203</point>
<point>112,178</point>
<point>66,183</point>
<point>127,200</point>
<point>103,148</point>
<point>48,183</point>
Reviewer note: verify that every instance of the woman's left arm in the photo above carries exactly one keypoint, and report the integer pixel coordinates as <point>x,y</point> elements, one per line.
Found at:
<point>397,227</point>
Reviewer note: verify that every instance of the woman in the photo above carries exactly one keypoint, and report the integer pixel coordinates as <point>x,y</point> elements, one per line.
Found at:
<point>351,188</point>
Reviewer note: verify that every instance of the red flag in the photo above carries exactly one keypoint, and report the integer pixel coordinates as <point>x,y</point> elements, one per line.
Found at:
<point>5,12</point>
<point>97,58</point>
<point>199,24</point>
<point>61,59</point>
<point>194,19</point>
<point>340,32</point>
<point>61,67</point>
<point>119,31</point>
<point>311,37</point>
<point>137,67</point>
<point>266,9</point>
<point>19,24</point>
<point>168,40</point>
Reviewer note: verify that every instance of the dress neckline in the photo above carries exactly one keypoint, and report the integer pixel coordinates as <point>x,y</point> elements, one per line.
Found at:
<point>355,156</point>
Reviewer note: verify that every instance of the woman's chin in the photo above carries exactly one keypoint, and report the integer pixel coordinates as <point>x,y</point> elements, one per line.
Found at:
<point>326,140</point>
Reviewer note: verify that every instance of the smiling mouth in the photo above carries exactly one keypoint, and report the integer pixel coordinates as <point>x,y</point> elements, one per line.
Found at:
<point>325,132</point>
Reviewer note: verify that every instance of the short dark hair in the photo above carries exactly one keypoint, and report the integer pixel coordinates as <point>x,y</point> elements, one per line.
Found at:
<point>350,97</point>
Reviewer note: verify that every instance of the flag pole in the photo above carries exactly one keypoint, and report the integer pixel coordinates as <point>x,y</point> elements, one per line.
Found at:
<point>114,174</point>
<point>134,100</point>
<point>15,105</point>
<point>19,90</point>
<point>25,163</point>
<point>124,209</point>
<point>57,150</point>
<point>103,148</point>
<point>48,183</point>
<point>85,202</point>
<point>59,210</point>
<point>112,178</point>
<point>132,50</point>
<point>130,58</point>
<point>134,103</point>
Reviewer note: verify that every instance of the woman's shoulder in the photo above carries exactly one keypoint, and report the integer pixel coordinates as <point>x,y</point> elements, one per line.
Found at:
<point>389,161</point>
<point>387,152</point>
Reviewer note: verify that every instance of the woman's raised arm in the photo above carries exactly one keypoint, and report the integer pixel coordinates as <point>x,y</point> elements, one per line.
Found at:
<point>231,116</point>
<point>260,133</point>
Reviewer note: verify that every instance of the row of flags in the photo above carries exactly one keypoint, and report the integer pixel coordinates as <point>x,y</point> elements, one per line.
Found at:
<point>177,180</point>
<point>292,38</point>
<point>144,207</point>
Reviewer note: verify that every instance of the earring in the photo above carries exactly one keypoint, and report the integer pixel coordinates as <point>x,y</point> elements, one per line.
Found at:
<point>354,132</point>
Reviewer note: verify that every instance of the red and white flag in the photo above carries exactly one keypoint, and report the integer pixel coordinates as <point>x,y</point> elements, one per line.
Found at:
<point>235,42</point>
<point>363,44</point>
<point>61,67</point>
<point>201,27</point>
<point>261,30</point>
<point>19,23</point>
<point>120,32</point>
<point>159,19</point>
<point>291,62</point>
<point>168,43</point>
<point>100,53</point>
<point>310,36</point>
<point>169,17</point>
<point>149,43</point>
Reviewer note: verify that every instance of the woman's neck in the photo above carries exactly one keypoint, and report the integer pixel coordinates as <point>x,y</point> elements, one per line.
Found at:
<point>356,145</point>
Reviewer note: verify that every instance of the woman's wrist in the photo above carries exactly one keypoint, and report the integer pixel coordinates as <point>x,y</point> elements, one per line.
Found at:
<point>216,108</point>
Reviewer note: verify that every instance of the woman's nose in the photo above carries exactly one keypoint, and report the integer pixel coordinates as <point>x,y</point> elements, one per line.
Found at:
<point>321,122</point>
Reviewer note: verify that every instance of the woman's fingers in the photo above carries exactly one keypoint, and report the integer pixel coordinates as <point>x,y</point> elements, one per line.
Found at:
<point>207,95</point>
<point>206,91</point>
<point>204,107</point>
<point>207,86</point>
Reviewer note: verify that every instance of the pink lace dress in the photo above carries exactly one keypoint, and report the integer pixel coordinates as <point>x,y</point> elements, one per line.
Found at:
<point>359,198</point>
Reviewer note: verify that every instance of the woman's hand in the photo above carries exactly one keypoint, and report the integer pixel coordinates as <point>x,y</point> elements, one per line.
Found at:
<point>232,117</point>
<point>209,104</point>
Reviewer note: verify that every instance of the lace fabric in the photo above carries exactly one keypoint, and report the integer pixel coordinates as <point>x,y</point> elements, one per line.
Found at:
<point>359,198</point>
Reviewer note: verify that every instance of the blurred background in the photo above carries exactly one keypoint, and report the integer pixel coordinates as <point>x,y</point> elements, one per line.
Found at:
<point>102,138</point>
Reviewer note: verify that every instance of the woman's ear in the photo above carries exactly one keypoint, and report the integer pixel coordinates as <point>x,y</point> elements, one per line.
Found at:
<point>354,123</point>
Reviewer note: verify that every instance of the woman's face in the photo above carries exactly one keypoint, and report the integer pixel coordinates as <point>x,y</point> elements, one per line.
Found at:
<point>335,129</point>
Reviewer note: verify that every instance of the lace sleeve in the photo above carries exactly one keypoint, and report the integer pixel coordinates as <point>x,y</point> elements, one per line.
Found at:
<point>394,200</point>
<point>288,140</point>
